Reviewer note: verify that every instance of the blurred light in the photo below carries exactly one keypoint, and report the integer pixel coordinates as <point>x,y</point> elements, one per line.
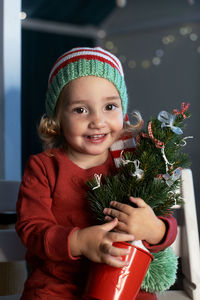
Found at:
<point>23,15</point>
<point>145,64</point>
<point>159,52</point>
<point>185,30</point>
<point>165,40</point>
<point>168,39</point>
<point>171,38</point>
<point>114,50</point>
<point>132,64</point>
<point>198,49</point>
<point>191,2</point>
<point>193,37</point>
<point>122,58</point>
<point>101,34</point>
<point>121,3</point>
<point>109,45</point>
<point>156,61</point>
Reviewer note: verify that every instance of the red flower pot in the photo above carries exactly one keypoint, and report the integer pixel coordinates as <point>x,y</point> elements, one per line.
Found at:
<point>110,283</point>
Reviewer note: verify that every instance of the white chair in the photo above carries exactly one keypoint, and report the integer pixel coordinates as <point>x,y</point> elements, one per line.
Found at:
<point>186,245</point>
<point>12,252</point>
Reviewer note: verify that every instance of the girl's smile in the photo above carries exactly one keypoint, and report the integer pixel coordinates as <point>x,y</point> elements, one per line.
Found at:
<point>97,138</point>
<point>91,119</point>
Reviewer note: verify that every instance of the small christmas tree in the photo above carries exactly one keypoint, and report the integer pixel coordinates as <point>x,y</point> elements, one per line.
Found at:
<point>151,172</point>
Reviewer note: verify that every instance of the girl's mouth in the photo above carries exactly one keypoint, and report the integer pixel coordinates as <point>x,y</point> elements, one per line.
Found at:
<point>96,138</point>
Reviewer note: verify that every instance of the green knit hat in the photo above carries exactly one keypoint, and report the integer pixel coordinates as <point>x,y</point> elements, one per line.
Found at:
<point>81,62</point>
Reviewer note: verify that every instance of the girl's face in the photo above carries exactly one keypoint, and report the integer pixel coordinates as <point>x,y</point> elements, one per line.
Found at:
<point>91,118</point>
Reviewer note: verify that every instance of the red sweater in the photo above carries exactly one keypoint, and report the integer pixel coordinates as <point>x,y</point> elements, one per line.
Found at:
<point>52,203</point>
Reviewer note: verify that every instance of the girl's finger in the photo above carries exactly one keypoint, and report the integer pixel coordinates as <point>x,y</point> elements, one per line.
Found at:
<point>121,237</point>
<point>114,261</point>
<point>118,252</point>
<point>115,214</point>
<point>108,219</point>
<point>139,202</point>
<point>125,208</point>
<point>109,225</point>
<point>117,230</point>
<point>121,227</point>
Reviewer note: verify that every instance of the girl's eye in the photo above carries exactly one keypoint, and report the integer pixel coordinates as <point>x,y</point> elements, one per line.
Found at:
<point>110,106</point>
<point>79,110</point>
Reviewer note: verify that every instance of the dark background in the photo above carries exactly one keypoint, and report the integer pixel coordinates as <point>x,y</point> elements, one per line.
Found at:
<point>157,41</point>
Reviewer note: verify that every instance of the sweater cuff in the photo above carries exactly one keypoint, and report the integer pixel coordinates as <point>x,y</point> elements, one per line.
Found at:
<point>169,237</point>
<point>68,247</point>
<point>56,243</point>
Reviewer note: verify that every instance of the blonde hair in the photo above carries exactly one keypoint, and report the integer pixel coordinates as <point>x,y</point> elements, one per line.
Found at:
<point>50,131</point>
<point>134,128</point>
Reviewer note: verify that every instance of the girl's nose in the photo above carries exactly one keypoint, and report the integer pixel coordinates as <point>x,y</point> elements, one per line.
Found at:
<point>97,121</point>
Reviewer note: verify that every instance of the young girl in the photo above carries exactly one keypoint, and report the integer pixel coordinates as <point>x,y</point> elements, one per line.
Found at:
<point>86,104</point>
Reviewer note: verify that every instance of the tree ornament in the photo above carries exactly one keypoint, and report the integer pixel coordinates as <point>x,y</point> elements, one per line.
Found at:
<point>184,108</point>
<point>175,176</point>
<point>138,172</point>
<point>168,120</point>
<point>98,181</point>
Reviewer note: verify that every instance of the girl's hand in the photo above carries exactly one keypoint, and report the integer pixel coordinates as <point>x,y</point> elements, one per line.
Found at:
<point>96,243</point>
<point>140,221</point>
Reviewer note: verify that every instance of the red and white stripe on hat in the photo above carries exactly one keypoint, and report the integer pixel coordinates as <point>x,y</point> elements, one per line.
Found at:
<point>86,53</point>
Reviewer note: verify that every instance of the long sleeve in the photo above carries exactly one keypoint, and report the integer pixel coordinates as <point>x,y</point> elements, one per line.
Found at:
<point>52,203</point>
<point>170,235</point>
<point>36,224</point>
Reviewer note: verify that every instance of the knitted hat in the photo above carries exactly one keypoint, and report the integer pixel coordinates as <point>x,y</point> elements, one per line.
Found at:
<point>80,62</point>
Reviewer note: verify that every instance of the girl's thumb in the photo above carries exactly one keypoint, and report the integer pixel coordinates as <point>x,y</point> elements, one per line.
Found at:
<point>110,225</point>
